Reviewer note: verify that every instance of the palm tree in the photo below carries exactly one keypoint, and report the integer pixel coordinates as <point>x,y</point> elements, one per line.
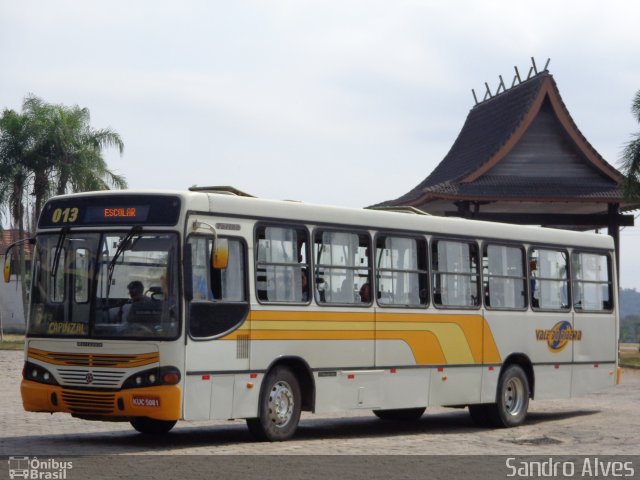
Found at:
<point>15,142</point>
<point>631,158</point>
<point>14,146</point>
<point>50,149</point>
<point>68,152</point>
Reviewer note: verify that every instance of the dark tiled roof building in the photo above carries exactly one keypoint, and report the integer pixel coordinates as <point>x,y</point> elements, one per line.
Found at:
<point>520,158</point>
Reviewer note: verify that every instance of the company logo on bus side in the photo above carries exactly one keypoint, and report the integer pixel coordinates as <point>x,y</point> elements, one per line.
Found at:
<point>559,336</point>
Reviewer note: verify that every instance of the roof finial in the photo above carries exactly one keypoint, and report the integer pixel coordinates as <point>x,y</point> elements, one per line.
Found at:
<point>533,68</point>
<point>488,93</point>
<point>517,77</point>
<point>517,80</point>
<point>500,85</point>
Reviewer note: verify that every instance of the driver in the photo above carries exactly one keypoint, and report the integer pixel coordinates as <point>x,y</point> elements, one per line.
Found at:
<point>137,296</point>
<point>136,291</point>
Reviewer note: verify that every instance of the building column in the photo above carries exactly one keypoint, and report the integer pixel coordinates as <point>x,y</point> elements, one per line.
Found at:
<point>614,232</point>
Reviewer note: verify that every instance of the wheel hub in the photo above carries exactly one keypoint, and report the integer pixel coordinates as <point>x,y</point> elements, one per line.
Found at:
<point>281,404</point>
<point>514,396</point>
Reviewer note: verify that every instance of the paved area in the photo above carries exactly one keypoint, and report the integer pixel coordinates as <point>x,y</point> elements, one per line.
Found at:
<point>597,424</point>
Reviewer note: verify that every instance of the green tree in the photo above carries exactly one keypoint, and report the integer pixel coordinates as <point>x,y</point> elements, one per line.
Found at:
<point>14,174</point>
<point>631,158</point>
<point>67,152</point>
<point>50,149</point>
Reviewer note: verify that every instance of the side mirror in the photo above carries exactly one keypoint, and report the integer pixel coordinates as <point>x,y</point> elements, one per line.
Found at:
<point>7,268</point>
<point>7,257</point>
<point>220,254</point>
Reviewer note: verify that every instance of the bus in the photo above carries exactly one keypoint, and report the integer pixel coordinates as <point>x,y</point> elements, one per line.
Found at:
<point>153,307</point>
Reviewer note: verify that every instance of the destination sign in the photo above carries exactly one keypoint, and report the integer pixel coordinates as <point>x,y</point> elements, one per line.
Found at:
<point>110,209</point>
<point>124,214</point>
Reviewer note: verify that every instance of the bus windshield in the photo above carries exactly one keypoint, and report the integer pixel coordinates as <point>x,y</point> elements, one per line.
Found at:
<point>116,284</point>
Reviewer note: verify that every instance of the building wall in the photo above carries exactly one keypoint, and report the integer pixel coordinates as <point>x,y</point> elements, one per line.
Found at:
<point>11,304</point>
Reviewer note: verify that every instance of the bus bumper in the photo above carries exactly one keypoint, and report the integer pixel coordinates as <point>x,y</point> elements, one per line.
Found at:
<point>161,403</point>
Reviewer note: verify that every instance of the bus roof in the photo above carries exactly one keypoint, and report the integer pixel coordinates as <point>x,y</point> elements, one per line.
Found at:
<point>225,204</point>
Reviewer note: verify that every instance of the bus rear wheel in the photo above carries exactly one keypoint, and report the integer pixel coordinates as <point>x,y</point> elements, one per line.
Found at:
<point>279,407</point>
<point>151,426</point>
<point>512,401</point>
<point>400,414</point>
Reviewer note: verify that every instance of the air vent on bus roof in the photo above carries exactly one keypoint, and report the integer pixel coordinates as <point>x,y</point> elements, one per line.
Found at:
<point>412,210</point>
<point>221,189</point>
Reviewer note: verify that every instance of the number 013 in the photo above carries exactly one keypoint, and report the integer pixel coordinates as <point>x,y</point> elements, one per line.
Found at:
<point>67,215</point>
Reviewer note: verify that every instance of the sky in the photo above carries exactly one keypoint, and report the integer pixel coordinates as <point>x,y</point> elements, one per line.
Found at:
<point>335,102</point>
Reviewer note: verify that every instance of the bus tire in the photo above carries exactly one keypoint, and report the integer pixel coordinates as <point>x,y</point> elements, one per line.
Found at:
<point>151,426</point>
<point>279,407</point>
<point>400,414</point>
<point>512,398</point>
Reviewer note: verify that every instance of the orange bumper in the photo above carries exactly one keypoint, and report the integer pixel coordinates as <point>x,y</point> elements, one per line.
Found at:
<point>161,403</point>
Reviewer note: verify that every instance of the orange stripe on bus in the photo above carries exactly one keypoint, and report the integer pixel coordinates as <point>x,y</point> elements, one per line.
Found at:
<point>435,337</point>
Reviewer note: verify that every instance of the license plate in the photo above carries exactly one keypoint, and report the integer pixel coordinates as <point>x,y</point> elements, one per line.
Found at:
<point>145,401</point>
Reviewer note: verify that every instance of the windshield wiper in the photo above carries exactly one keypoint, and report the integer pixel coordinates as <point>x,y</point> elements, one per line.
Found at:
<point>56,257</point>
<point>124,243</point>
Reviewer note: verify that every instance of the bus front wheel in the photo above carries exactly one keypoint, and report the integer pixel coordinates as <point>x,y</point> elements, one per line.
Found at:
<point>151,426</point>
<point>279,407</point>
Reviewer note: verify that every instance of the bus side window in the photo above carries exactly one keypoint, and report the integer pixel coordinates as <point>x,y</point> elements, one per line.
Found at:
<point>201,251</point>
<point>504,285</point>
<point>282,268</point>
<point>455,274</point>
<point>592,287</point>
<point>549,279</point>
<point>343,269</point>
<point>220,299</point>
<point>228,285</point>
<point>401,271</point>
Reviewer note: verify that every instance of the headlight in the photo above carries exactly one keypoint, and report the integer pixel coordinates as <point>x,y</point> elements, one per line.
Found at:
<point>153,377</point>
<point>39,374</point>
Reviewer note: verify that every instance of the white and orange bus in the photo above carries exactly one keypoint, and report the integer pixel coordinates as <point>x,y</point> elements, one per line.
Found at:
<point>153,307</point>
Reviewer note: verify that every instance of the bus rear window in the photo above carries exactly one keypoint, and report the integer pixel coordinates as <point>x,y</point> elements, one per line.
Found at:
<point>592,288</point>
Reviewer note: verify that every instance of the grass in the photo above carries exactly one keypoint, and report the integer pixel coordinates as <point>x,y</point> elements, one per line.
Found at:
<point>11,341</point>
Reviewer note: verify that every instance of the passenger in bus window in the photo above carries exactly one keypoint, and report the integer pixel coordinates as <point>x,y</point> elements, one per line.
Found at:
<point>321,286</point>
<point>487,295</point>
<point>533,269</point>
<point>437,296</point>
<point>365,293</point>
<point>423,296</point>
<point>304,284</point>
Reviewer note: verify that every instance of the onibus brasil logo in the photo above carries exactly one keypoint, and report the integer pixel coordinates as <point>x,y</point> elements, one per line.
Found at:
<point>32,468</point>
<point>559,336</point>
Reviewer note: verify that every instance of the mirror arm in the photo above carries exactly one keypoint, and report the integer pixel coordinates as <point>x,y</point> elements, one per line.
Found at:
<point>7,256</point>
